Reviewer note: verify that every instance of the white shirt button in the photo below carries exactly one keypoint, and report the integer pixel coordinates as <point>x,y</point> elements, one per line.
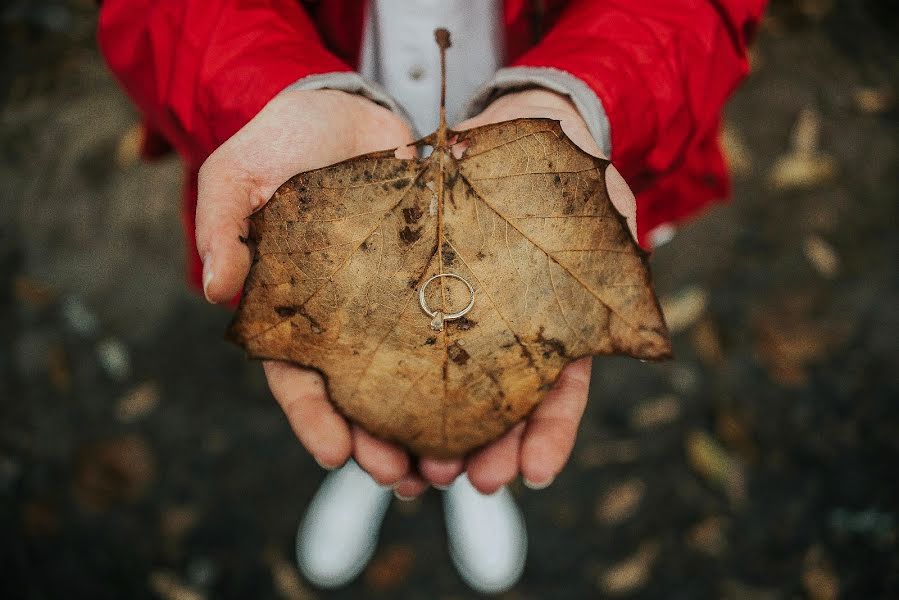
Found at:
<point>416,72</point>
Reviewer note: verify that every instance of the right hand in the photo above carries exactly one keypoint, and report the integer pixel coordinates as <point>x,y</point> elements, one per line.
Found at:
<point>296,131</point>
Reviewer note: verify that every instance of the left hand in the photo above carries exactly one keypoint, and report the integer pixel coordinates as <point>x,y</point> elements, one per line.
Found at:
<point>539,447</point>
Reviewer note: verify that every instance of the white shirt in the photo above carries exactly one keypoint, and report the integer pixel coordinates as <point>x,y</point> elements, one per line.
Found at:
<point>399,52</point>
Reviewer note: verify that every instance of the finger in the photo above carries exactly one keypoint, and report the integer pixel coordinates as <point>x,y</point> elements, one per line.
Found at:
<point>224,201</point>
<point>303,398</point>
<point>387,463</point>
<point>552,427</point>
<point>495,465</point>
<point>622,198</point>
<point>410,487</point>
<point>440,472</point>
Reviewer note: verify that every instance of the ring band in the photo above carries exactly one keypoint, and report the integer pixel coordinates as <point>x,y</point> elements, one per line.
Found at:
<point>438,316</point>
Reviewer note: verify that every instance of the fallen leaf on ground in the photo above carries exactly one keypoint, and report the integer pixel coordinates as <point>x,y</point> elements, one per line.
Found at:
<point>114,471</point>
<point>707,342</point>
<point>285,577</point>
<point>32,293</point>
<point>620,502</point>
<point>872,100</point>
<point>789,343</point>
<point>176,521</point>
<point>822,256</point>
<point>58,368</point>
<point>128,149</point>
<point>390,567</point>
<point>138,403</point>
<point>818,578</point>
<point>655,412</point>
<point>716,466</point>
<point>632,573</point>
<point>708,536</point>
<point>739,160</point>
<point>683,308</point>
<point>521,225</point>
<point>169,586</point>
<point>804,166</point>
<point>609,452</point>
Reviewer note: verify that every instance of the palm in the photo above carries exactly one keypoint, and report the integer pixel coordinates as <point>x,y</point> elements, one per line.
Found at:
<point>300,131</point>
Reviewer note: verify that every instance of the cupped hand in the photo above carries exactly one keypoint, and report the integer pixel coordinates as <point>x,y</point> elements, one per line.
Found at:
<point>296,131</point>
<point>539,447</point>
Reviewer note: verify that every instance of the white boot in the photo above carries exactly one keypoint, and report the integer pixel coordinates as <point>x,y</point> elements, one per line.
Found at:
<point>339,532</point>
<point>487,537</point>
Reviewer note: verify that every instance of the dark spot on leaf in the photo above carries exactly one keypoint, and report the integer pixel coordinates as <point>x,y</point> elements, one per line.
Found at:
<point>412,214</point>
<point>558,178</point>
<point>366,175</point>
<point>457,354</point>
<point>364,245</point>
<point>431,341</point>
<point>481,255</point>
<point>463,324</point>
<point>409,235</point>
<point>286,311</point>
<point>400,184</point>
<point>551,345</point>
<point>449,255</point>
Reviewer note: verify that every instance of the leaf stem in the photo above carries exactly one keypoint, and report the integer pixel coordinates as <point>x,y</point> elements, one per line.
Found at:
<point>442,37</point>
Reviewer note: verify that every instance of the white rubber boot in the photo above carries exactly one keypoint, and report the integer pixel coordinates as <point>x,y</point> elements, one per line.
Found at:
<point>339,533</point>
<point>487,536</point>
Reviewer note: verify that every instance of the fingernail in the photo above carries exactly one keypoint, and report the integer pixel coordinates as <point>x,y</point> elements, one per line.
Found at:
<point>399,496</point>
<point>538,486</point>
<point>324,466</point>
<point>442,488</point>
<point>207,276</point>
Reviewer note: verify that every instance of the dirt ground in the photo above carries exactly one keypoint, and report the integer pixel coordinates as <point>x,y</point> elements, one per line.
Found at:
<point>142,456</point>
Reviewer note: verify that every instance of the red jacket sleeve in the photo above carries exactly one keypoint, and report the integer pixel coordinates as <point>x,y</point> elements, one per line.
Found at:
<point>662,70</point>
<point>200,69</point>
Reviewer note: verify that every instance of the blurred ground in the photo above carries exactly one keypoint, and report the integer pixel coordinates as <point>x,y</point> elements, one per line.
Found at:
<point>141,456</point>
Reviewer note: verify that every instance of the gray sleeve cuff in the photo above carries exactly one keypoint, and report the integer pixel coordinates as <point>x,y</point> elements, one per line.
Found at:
<point>352,83</point>
<point>556,80</point>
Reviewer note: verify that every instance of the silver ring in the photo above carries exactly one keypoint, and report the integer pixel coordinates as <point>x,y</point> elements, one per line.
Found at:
<point>434,313</point>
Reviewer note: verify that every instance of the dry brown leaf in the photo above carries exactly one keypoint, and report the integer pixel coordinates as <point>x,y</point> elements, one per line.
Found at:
<point>789,343</point>
<point>523,216</point>
<point>822,256</point>
<point>684,308</point>
<point>621,502</point>
<point>804,166</point>
<point>818,577</point>
<point>138,403</point>
<point>714,464</point>
<point>609,452</point>
<point>286,579</point>
<point>655,412</point>
<point>168,585</point>
<point>390,567</point>
<point>128,149</point>
<point>708,536</point>
<point>707,343</point>
<point>872,100</point>
<point>739,159</point>
<point>118,470</point>
<point>632,573</point>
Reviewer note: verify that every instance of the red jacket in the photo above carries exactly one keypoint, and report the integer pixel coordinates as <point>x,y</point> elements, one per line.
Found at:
<point>200,69</point>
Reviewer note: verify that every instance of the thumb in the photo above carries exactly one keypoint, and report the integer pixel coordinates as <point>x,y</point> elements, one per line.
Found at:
<point>225,199</point>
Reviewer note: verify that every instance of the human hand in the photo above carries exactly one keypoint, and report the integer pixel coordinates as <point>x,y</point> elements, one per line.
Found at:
<point>297,131</point>
<point>539,447</point>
